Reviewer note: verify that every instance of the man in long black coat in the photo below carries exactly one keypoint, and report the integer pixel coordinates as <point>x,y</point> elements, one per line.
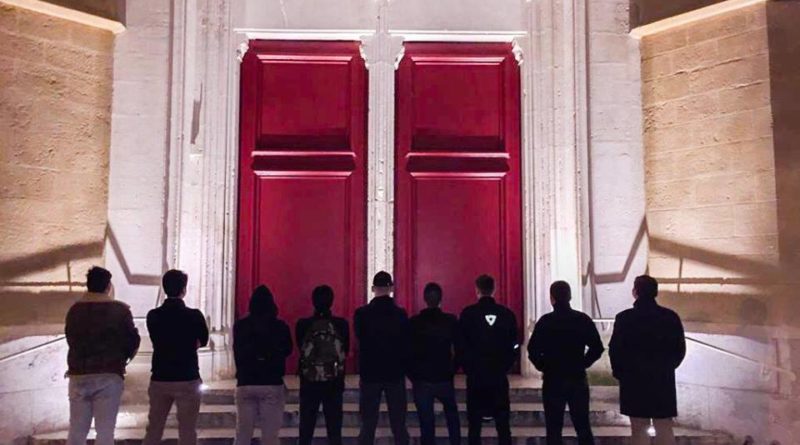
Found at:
<point>646,347</point>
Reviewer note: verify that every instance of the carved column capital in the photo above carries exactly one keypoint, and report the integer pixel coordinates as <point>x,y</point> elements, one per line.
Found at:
<point>518,49</point>
<point>241,50</point>
<point>382,48</point>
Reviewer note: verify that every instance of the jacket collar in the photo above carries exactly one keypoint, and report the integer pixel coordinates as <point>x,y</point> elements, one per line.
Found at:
<point>641,303</point>
<point>383,299</point>
<point>96,297</point>
<point>486,300</point>
<point>561,307</point>
<point>431,311</point>
<point>174,302</point>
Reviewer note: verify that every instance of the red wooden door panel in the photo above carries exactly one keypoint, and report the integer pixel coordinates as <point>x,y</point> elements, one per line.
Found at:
<point>302,185</point>
<point>458,199</point>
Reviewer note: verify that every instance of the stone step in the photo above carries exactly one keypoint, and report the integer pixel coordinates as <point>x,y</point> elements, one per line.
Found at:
<point>523,390</point>
<point>605,435</point>
<point>224,416</point>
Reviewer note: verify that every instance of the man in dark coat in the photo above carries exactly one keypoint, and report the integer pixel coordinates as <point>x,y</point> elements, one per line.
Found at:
<point>433,366</point>
<point>563,345</point>
<point>488,349</point>
<point>329,394</point>
<point>384,339</point>
<point>646,347</point>
<point>102,340</point>
<point>177,332</point>
<point>261,344</point>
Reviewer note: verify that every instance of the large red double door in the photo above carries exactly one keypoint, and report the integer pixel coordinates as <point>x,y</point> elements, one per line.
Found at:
<point>302,185</point>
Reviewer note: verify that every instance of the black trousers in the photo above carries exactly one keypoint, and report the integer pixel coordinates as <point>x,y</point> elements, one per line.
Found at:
<point>370,404</point>
<point>329,395</point>
<point>425,395</point>
<point>557,394</point>
<point>487,397</point>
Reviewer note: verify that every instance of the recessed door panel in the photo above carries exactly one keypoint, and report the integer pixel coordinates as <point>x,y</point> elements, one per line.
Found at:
<point>458,195</point>
<point>302,192</point>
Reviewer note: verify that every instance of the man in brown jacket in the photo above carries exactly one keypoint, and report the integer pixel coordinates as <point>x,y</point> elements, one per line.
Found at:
<point>102,340</point>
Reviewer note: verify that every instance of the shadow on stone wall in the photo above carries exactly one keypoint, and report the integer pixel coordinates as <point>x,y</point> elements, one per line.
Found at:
<point>784,60</point>
<point>39,307</point>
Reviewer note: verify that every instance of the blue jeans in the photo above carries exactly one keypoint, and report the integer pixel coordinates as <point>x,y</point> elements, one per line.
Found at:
<point>425,395</point>
<point>93,396</point>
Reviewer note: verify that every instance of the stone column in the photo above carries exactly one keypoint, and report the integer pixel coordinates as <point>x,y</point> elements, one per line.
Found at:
<point>560,147</point>
<point>382,53</point>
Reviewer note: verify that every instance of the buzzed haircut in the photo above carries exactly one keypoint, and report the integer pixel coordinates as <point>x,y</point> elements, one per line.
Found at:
<point>561,292</point>
<point>646,286</point>
<point>174,282</point>
<point>485,285</point>
<point>432,294</point>
<point>97,279</point>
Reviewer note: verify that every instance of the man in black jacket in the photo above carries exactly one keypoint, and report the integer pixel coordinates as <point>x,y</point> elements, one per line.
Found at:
<point>434,334</point>
<point>646,348</point>
<point>328,393</point>
<point>261,344</point>
<point>177,332</point>
<point>488,348</point>
<point>384,335</point>
<point>563,345</point>
<point>102,339</point>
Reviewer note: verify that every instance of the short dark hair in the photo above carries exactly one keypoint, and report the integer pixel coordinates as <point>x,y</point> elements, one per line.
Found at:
<point>382,279</point>
<point>322,298</point>
<point>432,294</point>
<point>646,286</point>
<point>174,282</point>
<point>561,292</point>
<point>98,279</point>
<point>485,284</point>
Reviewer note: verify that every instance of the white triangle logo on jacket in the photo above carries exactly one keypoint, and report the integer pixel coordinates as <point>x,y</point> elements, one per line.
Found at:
<point>491,318</point>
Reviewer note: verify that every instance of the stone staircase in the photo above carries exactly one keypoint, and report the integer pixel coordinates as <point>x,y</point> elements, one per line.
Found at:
<point>218,419</point>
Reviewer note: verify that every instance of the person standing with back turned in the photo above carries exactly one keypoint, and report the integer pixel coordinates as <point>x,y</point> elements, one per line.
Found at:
<point>102,339</point>
<point>261,344</point>
<point>563,345</point>
<point>384,337</point>
<point>177,332</point>
<point>324,341</point>
<point>646,348</point>
<point>489,347</point>
<point>434,334</point>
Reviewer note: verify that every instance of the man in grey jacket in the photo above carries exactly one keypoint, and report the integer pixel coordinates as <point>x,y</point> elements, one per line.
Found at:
<point>102,340</point>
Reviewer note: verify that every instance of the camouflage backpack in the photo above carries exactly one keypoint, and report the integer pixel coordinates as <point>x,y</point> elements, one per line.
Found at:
<point>322,353</point>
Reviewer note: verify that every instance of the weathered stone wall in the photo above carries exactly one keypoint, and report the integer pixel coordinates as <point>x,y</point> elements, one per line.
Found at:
<point>616,166</point>
<point>109,9</point>
<point>712,207</point>
<point>649,11</point>
<point>720,113</point>
<point>55,109</point>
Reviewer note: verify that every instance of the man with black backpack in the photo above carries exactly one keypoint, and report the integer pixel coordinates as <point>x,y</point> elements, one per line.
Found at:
<point>324,341</point>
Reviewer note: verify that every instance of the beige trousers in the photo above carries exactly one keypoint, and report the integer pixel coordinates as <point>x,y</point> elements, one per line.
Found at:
<point>640,435</point>
<point>260,405</point>
<point>186,397</point>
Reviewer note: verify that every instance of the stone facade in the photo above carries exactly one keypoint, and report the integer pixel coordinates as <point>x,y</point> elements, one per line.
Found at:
<point>55,124</point>
<point>55,127</point>
<point>718,94</point>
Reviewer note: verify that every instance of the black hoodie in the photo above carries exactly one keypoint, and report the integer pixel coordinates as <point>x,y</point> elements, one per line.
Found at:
<point>384,339</point>
<point>261,343</point>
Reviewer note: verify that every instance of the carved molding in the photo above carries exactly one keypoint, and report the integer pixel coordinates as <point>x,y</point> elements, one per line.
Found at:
<point>241,50</point>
